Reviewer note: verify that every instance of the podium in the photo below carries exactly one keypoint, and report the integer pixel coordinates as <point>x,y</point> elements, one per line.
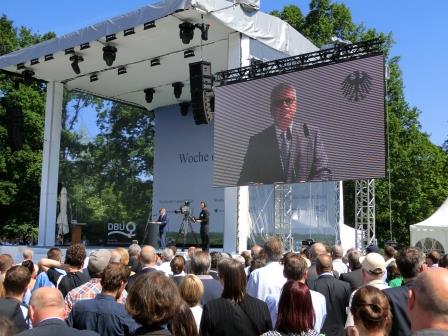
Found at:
<point>76,232</point>
<point>152,234</point>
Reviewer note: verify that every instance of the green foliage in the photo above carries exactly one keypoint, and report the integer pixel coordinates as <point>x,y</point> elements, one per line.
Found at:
<point>418,168</point>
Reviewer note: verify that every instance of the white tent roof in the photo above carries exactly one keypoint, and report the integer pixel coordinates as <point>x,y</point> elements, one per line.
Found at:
<point>50,62</point>
<point>438,219</point>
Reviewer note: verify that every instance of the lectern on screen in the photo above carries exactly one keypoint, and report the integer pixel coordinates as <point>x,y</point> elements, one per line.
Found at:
<point>325,123</point>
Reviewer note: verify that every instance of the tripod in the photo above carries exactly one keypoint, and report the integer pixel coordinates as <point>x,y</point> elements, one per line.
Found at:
<point>183,230</point>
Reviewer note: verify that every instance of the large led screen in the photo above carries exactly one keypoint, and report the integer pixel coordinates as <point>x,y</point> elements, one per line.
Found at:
<point>319,124</point>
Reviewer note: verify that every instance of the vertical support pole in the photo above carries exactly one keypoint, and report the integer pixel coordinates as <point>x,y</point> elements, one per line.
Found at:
<point>365,213</point>
<point>50,164</point>
<point>283,214</point>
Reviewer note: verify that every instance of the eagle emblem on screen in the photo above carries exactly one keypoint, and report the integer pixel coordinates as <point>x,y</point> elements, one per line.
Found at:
<point>356,85</point>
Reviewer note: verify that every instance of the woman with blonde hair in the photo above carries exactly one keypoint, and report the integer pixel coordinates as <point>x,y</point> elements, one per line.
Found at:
<point>191,290</point>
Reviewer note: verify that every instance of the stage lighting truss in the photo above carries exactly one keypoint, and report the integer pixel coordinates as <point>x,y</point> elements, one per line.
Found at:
<point>109,54</point>
<point>337,54</point>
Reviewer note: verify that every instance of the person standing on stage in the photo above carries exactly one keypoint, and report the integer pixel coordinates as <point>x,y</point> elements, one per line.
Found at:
<point>203,219</point>
<point>163,220</point>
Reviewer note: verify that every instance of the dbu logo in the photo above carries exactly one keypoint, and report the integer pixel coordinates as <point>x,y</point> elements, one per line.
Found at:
<point>127,230</point>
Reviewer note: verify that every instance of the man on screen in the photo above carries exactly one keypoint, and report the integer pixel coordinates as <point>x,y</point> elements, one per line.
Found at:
<point>288,151</point>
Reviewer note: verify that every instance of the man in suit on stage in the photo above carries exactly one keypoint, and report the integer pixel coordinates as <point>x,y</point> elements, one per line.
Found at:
<point>288,151</point>
<point>163,220</point>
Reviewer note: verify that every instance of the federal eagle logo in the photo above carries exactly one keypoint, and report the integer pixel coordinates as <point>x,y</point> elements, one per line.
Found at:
<point>357,85</point>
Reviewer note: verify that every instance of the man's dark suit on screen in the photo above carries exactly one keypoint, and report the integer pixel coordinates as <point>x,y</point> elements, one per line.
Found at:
<point>57,327</point>
<point>307,159</point>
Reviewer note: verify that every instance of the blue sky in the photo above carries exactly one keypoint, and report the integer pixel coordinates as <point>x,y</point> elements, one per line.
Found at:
<point>419,30</point>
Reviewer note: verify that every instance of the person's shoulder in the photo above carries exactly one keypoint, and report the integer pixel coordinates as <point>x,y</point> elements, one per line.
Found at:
<point>267,132</point>
<point>317,296</point>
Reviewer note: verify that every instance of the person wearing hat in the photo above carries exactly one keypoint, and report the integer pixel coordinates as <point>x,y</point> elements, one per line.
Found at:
<point>98,260</point>
<point>373,269</point>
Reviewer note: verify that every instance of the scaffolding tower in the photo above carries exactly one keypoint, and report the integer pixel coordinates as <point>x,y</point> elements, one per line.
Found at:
<point>365,213</point>
<point>283,214</point>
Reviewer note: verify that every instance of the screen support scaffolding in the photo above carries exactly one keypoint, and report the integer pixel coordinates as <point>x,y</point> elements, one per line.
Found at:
<point>365,213</point>
<point>282,214</point>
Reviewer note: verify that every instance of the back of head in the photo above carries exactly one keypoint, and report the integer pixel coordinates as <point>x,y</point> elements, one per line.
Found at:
<point>167,254</point>
<point>294,266</point>
<point>153,299</point>
<point>54,254</point>
<point>273,247</point>
<point>29,265</point>
<point>434,256</point>
<point>114,276</point>
<point>134,250</point>
<point>390,252</point>
<point>374,265</point>
<point>177,264</point>
<point>324,264</point>
<point>47,302</point>
<point>16,280</point>
<point>431,293</point>
<point>200,263</point>
<point>337,252</point>
<point>122,255</point>
<point>6,262</point>
<point>247,258</point>
<point>353,260</point>
<point>316,250</point>
<point>98,260</point>
<point>231,272</point>
<point>191,289</point>
<point>443,261</point>
<point>295,308</point>
<point>75,255</point>
<point>183,322</point>
<point>409,262</point>
<point>148,255</point>
<point>370,307</point>
<point>27,254</point>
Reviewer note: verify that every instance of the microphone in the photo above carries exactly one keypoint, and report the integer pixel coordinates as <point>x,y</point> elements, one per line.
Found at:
<point>306,130</point>
<point>288,134</point>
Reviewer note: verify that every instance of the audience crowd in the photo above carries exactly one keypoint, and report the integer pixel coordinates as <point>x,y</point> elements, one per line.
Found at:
<point>319,290</point>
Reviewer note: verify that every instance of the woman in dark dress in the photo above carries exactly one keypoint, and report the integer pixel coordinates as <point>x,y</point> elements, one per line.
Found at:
<point>236,312</point>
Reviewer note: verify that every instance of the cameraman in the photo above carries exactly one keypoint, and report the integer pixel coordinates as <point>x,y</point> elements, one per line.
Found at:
<point>203,220</point>
<point>163,220</point>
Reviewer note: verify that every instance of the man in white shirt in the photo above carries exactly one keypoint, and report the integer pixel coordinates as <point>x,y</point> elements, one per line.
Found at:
<point>295,269</point>
<point>338,265</point>
<point>268,279</point>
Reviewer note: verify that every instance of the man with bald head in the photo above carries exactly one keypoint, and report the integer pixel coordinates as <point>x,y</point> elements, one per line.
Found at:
<point>287,151</point>
<point>336,293</point>
<point>148,261</point>
<point>315,250</point>
<point>428,303</point>
<point>47,312</point>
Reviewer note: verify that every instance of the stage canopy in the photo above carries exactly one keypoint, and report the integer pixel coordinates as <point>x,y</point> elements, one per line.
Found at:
<point>432,233</point>
<point>146,34</point>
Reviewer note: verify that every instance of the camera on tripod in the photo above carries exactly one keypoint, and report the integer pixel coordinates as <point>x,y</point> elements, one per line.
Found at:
<point>184,209</point>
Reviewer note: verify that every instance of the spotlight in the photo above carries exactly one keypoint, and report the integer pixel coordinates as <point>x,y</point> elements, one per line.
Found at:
<point>203,27</point>
<point>21,66</point>
<point>121,70</point>
<point>188,53</point>
<point>28,76</point>
<point>178,89</point>
<point>109,54</point>
<point>186,32</point>
<point>184,106</point>
<point>149,94</point>
<point>155,62</point>
<point>93,78</point>
<point>34,61</point>
<point>76,59</point>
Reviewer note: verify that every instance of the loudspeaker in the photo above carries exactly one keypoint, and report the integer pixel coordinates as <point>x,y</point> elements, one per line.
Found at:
<point>201,89</point>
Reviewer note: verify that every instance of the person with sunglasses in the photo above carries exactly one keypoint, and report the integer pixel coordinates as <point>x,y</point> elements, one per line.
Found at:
<point>289,150</point>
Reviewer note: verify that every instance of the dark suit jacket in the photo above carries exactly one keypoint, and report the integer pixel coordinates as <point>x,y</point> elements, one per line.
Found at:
<point>164,220</point>
<point>354,278</point>
<point>57,327</point>
<point>307,161</point>
<point>337,297</point>
<point>10,308</point>
<point>221,317</point>
<point>212,288</point>
<point>398,300</point>
<point>132,278</point>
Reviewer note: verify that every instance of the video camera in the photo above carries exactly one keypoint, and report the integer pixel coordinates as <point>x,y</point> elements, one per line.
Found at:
<point>184,209</point>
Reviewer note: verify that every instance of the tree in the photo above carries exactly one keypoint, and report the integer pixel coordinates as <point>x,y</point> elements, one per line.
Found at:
<point>418,168</point>
<point>21,139</point>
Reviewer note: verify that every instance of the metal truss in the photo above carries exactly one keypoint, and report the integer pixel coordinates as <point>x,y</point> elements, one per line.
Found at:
<point>337,213</point>
<point>340,53</point>
<point>283,213</point>
<point>365,213</point>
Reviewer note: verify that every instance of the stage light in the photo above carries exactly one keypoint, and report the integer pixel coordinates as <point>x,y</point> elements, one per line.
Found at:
<point>84,46</point>
<point>34,61</point>
<point>155,62</point>
<point>76,59</point>
<point>111,37</point>
<point>48,57</point>
<point>21,66</point>
<point>121,70</point>
<point>178,89</point>
<point>149,25</point>
<point>184,107</point>
<point>93,78</point>
<point>128,31</point>
<point>69,51</point>
<point>109,54</point>
<point>203,27</point>
<point>186,32</point>
<point>149,94</point>
<point>189,53</point>
<point>28,76</point>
